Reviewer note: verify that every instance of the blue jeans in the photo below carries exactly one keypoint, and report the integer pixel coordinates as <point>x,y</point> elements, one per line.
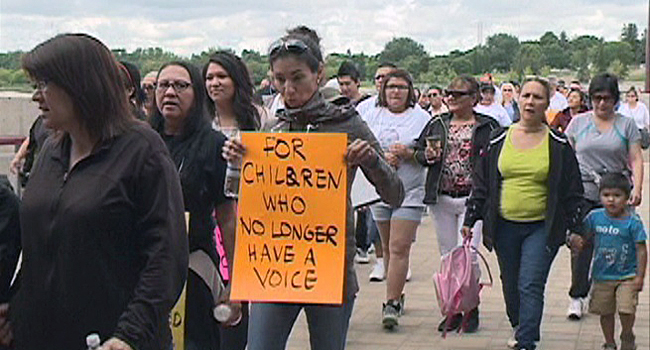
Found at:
<point>524,261</point>
<point>270,324</point>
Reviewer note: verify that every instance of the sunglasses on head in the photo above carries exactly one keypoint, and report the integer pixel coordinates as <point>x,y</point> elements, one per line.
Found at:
<point>288,45</point>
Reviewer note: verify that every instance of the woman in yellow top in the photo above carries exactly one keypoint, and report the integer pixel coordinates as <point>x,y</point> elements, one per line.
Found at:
<point>527,191</point>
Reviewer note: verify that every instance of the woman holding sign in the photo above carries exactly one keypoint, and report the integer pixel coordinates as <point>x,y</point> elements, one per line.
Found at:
<point>297,65</point>
<point>450,147</point>
<point>182,122</point>
<point>397,124</point>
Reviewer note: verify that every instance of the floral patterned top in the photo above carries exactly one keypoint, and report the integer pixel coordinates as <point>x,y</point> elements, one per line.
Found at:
<point>457,167</point>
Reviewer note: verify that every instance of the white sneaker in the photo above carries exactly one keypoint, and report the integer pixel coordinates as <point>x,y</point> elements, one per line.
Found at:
<point>512,341</point>
<point>575,309</point>
<point>378,273</point>
<point>408,274</point>
<point>361,257</point>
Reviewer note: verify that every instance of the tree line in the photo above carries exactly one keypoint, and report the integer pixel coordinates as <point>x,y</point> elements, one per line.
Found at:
<point>585,55</point>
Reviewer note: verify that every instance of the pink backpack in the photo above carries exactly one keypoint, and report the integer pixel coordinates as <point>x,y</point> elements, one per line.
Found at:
<point>457,288</point>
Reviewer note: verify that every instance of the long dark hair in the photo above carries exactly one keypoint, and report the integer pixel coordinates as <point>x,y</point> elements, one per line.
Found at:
<point>87,71</point>
<point>197,116</point>
<point>246,114</point>
<point>131,79</point>
<point>401,74</point>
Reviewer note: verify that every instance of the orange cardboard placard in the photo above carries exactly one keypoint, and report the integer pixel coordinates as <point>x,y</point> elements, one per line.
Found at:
<point>290,236</point>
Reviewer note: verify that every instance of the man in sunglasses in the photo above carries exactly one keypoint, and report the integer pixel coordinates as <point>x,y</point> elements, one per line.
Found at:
<point>488,106</point>
<point>436,105</point>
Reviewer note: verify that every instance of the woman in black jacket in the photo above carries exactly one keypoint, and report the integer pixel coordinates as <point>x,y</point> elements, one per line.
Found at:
<point>183,123</point>
<point>463,134</point>
<point>528,192</point>
<point>103,234</point>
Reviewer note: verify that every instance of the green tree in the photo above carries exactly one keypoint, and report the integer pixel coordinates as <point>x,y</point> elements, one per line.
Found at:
<point>618,68</point>
<point>580,61</point>
<point>439,73</point>
<point>549,38</point>
<point>462,65</point>
<point>399,48</point>
<point>529,58</point>
<point>555,56</point>
<point>501,49</point>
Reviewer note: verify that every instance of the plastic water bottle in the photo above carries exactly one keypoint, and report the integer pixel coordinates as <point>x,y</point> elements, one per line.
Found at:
<point>92,341</point>
<point>231,184</point>
<point>223,312</point>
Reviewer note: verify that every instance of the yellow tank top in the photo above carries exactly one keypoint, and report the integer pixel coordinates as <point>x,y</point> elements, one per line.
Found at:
<point>525,173</point>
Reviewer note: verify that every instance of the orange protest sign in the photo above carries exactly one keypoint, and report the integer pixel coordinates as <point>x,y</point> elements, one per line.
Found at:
<point>290,240</point>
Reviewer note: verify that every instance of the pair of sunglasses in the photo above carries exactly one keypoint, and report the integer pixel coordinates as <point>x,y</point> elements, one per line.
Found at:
<point>457,93</point>
<point>288,45</point>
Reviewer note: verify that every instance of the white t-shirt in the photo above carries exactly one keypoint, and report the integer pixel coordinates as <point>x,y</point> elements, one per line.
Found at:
<point>558,102</point>
<point>495,111</point>
<point>639,114</point>
<point>403,128</point>
<point>366,105</point>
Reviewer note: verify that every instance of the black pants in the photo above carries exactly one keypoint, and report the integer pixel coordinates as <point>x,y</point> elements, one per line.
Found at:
<point>580,265</point>
<point>235,338</point>
<point>361,229</point>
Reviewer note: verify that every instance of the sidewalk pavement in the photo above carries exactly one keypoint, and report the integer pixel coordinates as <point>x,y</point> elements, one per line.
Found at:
<point>417,328</point>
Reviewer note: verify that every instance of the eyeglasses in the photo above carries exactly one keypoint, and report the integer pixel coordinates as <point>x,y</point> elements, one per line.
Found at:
<point>380,76</point>
<point>178,85</point>
<point>458,93</point>
<point>148,87</point>
<point>289,45</point>
<point>397,87</point>
<point>604,98</point>
<point>39,85</point>
<point>433,94</point>
<point>506,90</point>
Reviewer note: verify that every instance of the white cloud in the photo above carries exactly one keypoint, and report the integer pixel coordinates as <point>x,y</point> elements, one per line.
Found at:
<point>187,27</point>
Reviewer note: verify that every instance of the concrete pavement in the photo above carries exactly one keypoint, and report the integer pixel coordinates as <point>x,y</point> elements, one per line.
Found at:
<point>417,329</point>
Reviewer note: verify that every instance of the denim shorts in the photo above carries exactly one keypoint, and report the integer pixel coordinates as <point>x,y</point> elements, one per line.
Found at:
<point>383,212</point>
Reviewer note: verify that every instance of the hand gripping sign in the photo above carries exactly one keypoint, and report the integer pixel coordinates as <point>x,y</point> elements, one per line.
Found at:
<point>290,236</point>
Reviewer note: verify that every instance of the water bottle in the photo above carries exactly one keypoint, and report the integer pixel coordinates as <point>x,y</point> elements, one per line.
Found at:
<point>231,183</point>
<point>223,312</point>
<point>92,341</point>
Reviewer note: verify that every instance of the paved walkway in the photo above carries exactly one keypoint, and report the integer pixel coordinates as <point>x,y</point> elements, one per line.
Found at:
<point>417,329</point>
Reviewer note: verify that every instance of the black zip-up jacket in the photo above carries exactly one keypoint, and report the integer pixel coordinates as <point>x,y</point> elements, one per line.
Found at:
<point>439,125</point>
<point>565,202</point>
<point>104,245</point>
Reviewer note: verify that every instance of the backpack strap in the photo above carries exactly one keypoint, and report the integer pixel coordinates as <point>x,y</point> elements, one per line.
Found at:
<point>467,241</point>
<point>203,266</point>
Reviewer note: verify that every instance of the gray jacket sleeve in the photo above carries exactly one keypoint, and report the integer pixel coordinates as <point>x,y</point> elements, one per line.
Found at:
<point>387,184</point>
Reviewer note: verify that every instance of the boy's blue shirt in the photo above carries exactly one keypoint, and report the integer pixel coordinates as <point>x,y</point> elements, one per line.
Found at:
<point>615,242</point>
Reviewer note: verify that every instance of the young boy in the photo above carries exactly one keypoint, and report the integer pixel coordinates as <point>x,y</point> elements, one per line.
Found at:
<point>620,258</point>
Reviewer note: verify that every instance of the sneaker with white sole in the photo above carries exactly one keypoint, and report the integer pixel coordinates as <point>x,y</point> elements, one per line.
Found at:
<point>576,305</point>
<point>512,341</point>
<point>361,257</point>
<point>390,313</point>
<point>378,272</point>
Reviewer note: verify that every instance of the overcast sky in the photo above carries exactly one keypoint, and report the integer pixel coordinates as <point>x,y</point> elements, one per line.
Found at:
<point>191,26</point>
